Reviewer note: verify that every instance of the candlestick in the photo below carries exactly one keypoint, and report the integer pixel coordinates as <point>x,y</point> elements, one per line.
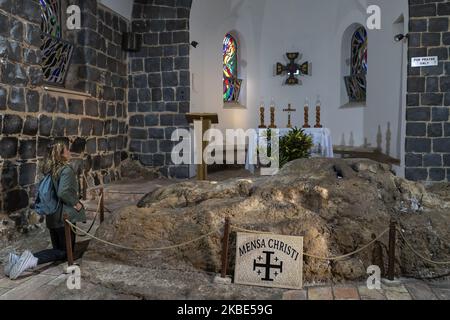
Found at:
<point>318,125</point>
<point>272,115</point>
<point>306,114</point>
<point>318,105</point>
<point>272,118</point>
<point>261,117</point>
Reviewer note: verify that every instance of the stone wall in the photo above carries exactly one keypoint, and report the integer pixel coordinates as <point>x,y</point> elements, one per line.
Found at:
<point>159,82</point>
<point>31,118</point>
<point>428,125</point>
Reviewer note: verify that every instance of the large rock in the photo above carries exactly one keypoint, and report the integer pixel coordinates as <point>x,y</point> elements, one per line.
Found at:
<point>336,205</point>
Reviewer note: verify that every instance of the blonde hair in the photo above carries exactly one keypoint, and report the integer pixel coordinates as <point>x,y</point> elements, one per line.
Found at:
<point>55,159</point>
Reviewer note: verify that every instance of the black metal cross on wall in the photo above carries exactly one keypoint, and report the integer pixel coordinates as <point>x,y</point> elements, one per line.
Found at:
<point>293,69</point>
<point>268,266</point>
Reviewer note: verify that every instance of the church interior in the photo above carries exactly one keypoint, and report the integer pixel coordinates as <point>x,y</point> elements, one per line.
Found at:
<point>365,85</point>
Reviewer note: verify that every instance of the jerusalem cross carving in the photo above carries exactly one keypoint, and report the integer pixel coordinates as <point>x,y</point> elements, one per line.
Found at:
<point>293,69</point>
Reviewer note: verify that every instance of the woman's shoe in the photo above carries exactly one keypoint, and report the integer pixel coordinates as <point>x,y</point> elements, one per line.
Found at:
<point>12,260</point>
<point>26,261</point>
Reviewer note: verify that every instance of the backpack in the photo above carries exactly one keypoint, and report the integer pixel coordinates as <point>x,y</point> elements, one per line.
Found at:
<point>47,202</point>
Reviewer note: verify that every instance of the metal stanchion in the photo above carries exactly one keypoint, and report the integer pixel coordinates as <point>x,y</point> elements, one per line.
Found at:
<point>226,238</point>
<point>392,238</point>
<point>68,234</point>
<point>102,205</point>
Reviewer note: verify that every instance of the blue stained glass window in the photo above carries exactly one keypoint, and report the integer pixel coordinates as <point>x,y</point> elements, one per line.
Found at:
<point>56,53</point>
<point>51,18</point>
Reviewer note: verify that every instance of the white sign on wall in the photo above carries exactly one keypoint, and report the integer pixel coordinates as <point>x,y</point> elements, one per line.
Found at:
<point>424,62</point>
<point>269,261</point>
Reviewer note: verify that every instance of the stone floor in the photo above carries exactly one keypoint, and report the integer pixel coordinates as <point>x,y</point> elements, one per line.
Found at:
<point>49,282</point>
<point>405,289</point>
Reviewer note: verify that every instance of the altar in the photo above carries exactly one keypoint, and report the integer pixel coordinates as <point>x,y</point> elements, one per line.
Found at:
<point>323,146</point>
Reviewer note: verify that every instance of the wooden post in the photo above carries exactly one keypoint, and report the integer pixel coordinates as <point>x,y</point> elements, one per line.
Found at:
<point>207,119</point>
<point>202,169</point>
<point>68,234</point>
<point>102,205</point>
<point>80,185</point>
<point>226,238</point>
<point>391,262</point>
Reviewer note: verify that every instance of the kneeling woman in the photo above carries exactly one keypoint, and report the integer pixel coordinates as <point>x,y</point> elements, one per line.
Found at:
<point>65,181</point>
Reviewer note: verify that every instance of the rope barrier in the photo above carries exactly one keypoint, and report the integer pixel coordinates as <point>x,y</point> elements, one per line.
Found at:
<point>351,253</point>
<point>87,182</point>
<point>96,188</point>
<point>97,212</point>
<point>354,252</point>
<point>74,228</point>
<point>127,193</point>
<point>418,254</point>
<point>250,231</point>
<point>139,249</point>
<point>91,188</point>
<point>317,257</point>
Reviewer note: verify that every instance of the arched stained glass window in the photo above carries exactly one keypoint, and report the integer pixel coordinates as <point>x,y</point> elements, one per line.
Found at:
<point>231,83</point>
<point>51,18</point>
<point>356,82</point>
<point>56,53</point>
<point>359,51</point>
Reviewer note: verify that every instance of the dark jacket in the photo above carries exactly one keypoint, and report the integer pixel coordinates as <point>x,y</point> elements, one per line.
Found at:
<point>68,193</point>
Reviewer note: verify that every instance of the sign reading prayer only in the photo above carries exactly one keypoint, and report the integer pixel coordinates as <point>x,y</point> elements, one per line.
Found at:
<point>424,62</point>
<point>269,261</point>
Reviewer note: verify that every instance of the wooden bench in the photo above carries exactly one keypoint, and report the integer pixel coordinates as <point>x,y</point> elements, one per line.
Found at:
<point>365,153</point>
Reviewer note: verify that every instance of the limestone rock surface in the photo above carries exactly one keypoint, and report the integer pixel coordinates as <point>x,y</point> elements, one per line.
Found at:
<point>336,205</point>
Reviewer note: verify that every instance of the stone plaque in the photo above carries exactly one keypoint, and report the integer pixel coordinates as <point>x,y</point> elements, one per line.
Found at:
<point>269,261</point>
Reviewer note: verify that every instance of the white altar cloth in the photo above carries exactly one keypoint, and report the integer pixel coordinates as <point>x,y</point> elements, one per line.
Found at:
<point>323,146</point>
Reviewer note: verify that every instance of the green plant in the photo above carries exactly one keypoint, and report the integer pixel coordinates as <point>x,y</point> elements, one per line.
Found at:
<point>295,145</point>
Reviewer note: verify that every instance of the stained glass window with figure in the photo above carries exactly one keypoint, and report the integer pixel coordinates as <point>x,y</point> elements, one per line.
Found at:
<point>231,83</point>
<point>356,83</point>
